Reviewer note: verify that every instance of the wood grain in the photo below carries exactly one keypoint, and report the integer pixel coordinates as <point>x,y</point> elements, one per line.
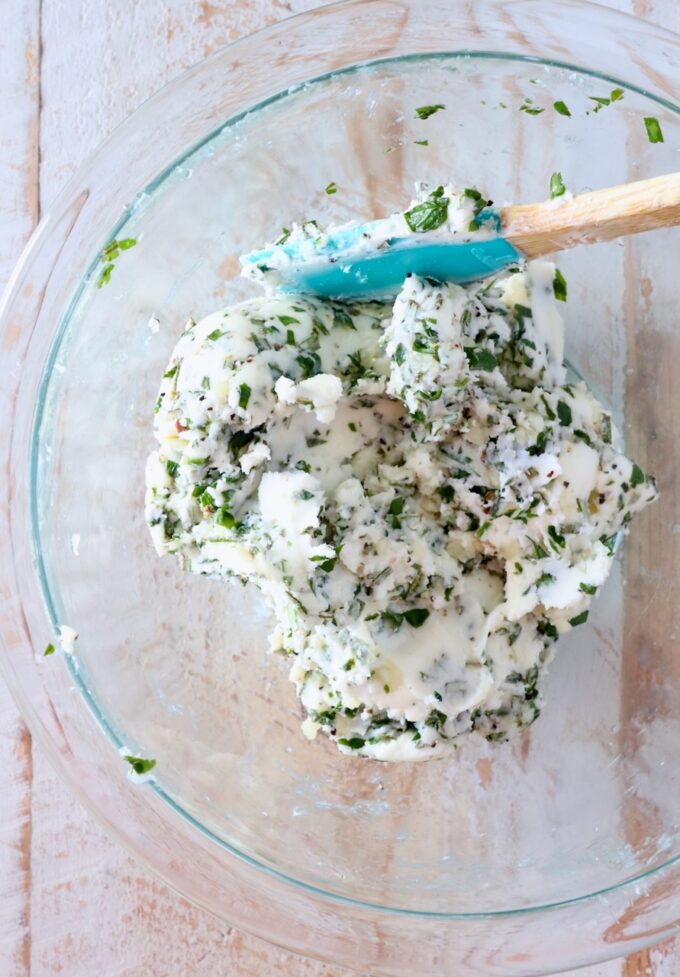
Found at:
<point>19,148</point>
<point>601,215</point>
<point>71,902</point>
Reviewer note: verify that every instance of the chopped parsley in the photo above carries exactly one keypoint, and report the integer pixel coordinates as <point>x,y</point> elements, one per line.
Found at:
<point>331,188</point>
<point>353,743</point>
<point>225,519</point>
<point>425,111</point>
<point>637,476</point>
<point>171,467</point>
<point>557,187</point>
<point>49,650</point>
<point>109,255</point>
<point>139,764</point>
<point>421,142</point>
<point>560,286</point>
<point>430,214</point>
<point>579,619</point>
<point>480,359</point>
<point>416,616</point>
<point>545,578</point>
<point>564,413</point>
<point>244,393</point>
<point>654,133</point>
<point>588,588</point>
<point>561,108</point>
<point>528,107</point>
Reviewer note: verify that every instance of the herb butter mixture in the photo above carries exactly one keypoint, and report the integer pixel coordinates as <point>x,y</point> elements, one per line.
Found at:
<point>421,495</point>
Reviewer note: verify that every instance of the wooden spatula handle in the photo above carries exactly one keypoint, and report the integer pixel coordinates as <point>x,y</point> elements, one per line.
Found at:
<point>539,229</point>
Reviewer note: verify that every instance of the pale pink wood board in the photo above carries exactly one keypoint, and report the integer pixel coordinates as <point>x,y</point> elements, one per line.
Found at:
<point>71,901</point>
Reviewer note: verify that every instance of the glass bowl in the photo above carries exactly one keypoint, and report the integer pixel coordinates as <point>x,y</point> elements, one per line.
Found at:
<point>554,851</point>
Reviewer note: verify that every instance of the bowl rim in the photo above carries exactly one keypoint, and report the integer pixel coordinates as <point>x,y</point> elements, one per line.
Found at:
<point>45,227</point>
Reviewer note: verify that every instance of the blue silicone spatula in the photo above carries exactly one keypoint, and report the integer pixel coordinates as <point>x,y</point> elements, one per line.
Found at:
<point>363,260</point>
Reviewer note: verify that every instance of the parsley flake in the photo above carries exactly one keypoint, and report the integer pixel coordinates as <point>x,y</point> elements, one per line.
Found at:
<point>560,286</point>
<point>425,111</point>
<point>480,359</point>
<point>416,616</point>
<point>654,133</point>
<point>139,764</point>
<point>354,743</point>
<point>244,392</point>
<point>557,187</point>
<point>430,214</point>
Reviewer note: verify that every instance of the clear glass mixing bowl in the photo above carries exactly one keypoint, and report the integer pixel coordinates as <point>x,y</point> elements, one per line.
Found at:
<point>555,851</point>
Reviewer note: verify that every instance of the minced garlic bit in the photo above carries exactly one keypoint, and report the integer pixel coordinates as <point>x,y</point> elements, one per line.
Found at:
<point>424,499</point>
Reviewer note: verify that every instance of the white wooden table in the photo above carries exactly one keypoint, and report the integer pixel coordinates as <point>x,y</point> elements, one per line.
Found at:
<point>72,902</point>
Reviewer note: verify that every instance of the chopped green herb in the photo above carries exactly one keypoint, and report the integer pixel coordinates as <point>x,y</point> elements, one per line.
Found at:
<point>171,467</point>
<point>309,363</point>
<point>560,286</point>
<point>169,374</point>
<point>530,110</point>
<point>416,616</point>
<point>616,94</point>
<point>579,619</point>
<point>557,539</point>
<point>244,392</point>
<point>343,319</point>
<point>354,743</point>
<point>561,108</point>
<point>400,354</point>
<point>326,563</point>
<point>609,542</point>
<point>637,476</point>
<point>549,412</point>
<point>396,506</point>
<point>545,578</point>
<point>214,335</point>
<point>654,133</point>
<point>422,142</point>
<point>606,429</point>
<point>49,650</point>
<point>352,426</point>
<point>557,187</point>
<point>288,320</point>
<point>225,519</point>
<point>105,275</point>
<point>588,588</point>
<point>564,413</point>
<point>332,188</point>
<point>600,102</point>
<point>482,529</point>
<point>285,234</point>
<point>139,764</point>
<point>480,359</point>
<point>436,719</point>
<point>425,111</point>
<point>539,447</point>
<point>582,436</point>
<point>430,214</point>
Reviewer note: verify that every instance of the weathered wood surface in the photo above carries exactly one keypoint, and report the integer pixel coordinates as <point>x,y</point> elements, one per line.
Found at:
<point>71,902</point>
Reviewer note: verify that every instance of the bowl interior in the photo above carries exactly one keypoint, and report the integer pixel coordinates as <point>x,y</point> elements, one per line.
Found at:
<point>177,667</point>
